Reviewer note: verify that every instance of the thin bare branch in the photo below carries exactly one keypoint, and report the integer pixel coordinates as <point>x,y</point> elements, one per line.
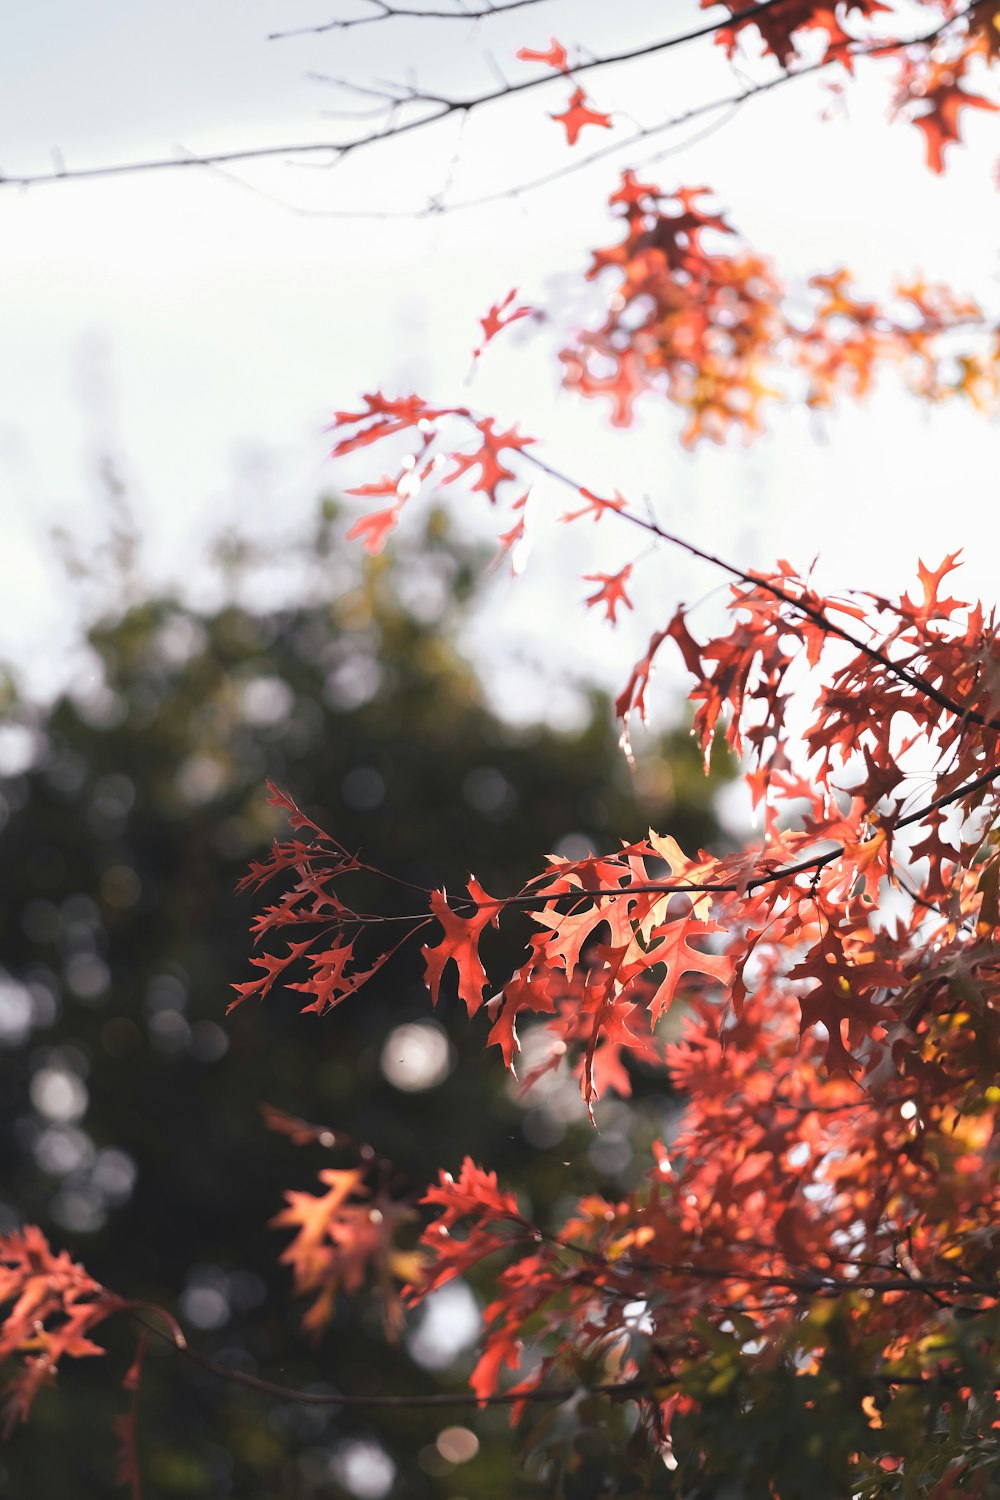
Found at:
<point>627,1388</point>
<point>386,12</point>
<point>322,1398</point>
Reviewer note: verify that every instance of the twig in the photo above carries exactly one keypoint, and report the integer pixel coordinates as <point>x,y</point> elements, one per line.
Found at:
<point>632,1388</point>
<point>385,12</point>
<point>436,1398</point>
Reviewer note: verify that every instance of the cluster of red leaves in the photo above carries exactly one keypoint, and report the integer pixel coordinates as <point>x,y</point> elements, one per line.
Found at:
<point>578,112</point>
<point>780,1187</point>
<point>312,902</point>
<point>931,64</point>
<point>914,678</point>
<point>839,1139</point>
<point>55,1308</point>
<point>839,1066</point>
<point>708,323</point>
<point>786,28</point>
<point>838,1063</point>
<point>619,931</point>
<point>930,87</point>
<point>931,70</point>
<point>384,417</point>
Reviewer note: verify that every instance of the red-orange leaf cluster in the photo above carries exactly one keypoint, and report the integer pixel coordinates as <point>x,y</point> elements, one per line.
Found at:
<point>698,317</point>
<point>818,1224</point>
<point>55,1307</point>
<point>807,1018</point>
<point>785,27</point>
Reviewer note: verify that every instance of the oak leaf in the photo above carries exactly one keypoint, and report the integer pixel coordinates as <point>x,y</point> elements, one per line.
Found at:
<point>555,56</point>
<point>577,114</point>
<point>612,591</point>
<point>940,123</point>
<point>460,945</point>
<point>487,458</point>
<point>500,316</point>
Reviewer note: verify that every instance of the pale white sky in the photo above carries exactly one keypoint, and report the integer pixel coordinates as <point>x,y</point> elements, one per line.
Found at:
<point>200,333</point>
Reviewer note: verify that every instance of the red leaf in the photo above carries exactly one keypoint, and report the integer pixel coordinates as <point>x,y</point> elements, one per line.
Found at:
<point>374,529</point>
<point>502,1349</point>
<point>931,606</point>
<point>489,1216</point>
<point>633,695</point>
<point>273,966</point>
<point>596,507</point>
<point>387,485</point>
<point>627,381</point>
<point>673,948</point>
<point>577,114</point>
<point>55,1305</point>
<point>474,1193</point>
<point>777,23</point>
<point>296,817</point>
<point>487,458</point>
<point>509,539</point>
<point>522,992</point>
<point>498,318</point>
<point>612,591</point>
<point>940,124</point>
<point>329,983</point>
<point>461,945</point>
<point>343,1237</point>
<point>555,56</point>
<point>385,416</point>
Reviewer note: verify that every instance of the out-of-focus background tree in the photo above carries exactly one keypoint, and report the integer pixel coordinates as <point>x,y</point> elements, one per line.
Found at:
<point>129,1104</point>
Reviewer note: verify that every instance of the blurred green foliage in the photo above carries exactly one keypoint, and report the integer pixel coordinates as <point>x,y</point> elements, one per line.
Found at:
<point>129,1111</point>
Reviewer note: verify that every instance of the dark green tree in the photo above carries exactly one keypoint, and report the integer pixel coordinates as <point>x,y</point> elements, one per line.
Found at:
<point>131,1122</point>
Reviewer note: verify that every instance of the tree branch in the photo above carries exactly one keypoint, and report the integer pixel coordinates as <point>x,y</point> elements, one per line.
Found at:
<point>828,626</point>
<point>786,872</point>
<point>436,1398</point>
<point>463,106</point>
<point>386,12</point>
<point>633,1388</point>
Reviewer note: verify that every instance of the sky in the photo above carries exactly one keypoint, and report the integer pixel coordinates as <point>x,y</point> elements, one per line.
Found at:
<point>197,328</point>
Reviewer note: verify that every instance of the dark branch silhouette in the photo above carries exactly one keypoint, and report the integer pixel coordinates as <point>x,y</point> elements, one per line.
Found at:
<point>386,12</point>
<point>442,107</point>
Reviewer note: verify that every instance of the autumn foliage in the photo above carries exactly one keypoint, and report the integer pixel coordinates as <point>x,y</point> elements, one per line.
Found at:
<point>802,1294</point>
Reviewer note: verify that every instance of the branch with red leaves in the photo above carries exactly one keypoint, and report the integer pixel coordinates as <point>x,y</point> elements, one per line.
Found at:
<point>796,999</point>
<point>929,86</point>
<point>786,1250</point>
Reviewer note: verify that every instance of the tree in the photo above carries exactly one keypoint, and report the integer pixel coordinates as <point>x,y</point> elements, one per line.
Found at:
<point>132,1124</point>
<point>801,1293</point>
